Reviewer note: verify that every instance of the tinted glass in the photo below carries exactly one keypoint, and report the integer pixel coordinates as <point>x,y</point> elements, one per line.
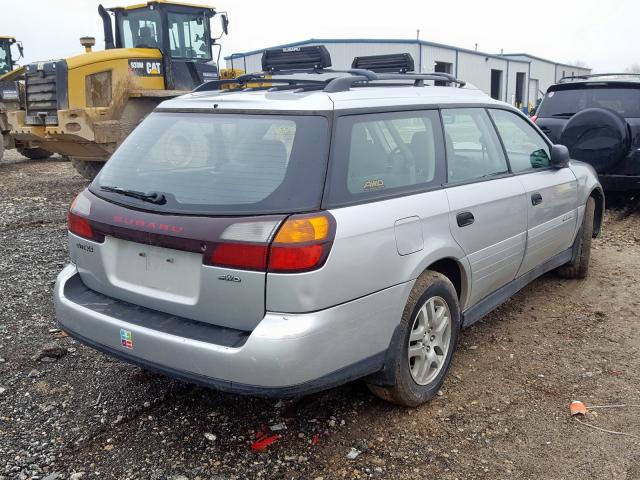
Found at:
<point>140,29</point>
<point>386,153</point>
<point>525,147</point>
<point>562,103</point>
<point>189,36</point>
<point>5,59</point>
<point>473,148</point>
<point>222,164</point>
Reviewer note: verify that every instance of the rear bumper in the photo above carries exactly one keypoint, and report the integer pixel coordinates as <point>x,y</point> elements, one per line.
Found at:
<point>619,183</point>
<point>285,355</point>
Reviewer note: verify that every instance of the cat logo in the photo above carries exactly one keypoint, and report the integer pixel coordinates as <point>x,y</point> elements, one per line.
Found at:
<point>153,68</point>
<point>373,184</point>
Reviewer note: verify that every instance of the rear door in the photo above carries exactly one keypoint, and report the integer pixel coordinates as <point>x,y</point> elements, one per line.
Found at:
<point>488,211</point>
<point>552,194</point>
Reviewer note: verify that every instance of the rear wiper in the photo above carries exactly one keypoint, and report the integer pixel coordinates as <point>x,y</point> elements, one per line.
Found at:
<point>152,197</point>
<point>569,114</point>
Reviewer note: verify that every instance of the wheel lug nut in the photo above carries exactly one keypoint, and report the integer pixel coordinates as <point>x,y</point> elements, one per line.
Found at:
<point>433,337</point>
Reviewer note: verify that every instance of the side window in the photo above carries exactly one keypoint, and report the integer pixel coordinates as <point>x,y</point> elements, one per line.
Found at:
<point>385,153</point>
<point>525,147</point>
<point>473,148</point>
<point>188,36</point>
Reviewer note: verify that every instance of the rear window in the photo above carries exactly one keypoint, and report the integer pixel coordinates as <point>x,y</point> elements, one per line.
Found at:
<point>221,163</point>
<point>563,103</point>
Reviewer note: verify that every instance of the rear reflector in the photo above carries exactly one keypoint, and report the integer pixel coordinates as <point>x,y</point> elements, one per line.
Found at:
<point>246,256</point>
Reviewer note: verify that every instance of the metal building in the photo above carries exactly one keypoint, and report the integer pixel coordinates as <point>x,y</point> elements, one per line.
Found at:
<point>519,79</point>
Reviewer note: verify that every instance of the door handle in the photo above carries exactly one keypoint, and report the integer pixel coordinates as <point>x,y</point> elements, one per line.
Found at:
<point>536,199</point>
<point>465,219</point>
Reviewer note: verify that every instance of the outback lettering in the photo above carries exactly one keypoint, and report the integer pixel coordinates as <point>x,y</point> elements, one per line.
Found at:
<point>86,248</point>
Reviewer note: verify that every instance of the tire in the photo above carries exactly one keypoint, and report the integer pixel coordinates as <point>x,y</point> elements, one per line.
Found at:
<point>598,136</point>
<point>406,389</point>
<point>87,169</point>
<point>579,266</point>
<point>35,153</point>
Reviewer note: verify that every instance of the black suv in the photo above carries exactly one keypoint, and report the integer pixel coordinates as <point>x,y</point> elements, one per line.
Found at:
<point>598,118</point>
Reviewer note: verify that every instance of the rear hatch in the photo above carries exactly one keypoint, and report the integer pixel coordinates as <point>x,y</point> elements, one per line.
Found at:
<point>564,100</point>
<point>180,218</point>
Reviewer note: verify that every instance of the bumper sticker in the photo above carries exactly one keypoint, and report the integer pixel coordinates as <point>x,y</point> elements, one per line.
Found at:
<point>125,339</point>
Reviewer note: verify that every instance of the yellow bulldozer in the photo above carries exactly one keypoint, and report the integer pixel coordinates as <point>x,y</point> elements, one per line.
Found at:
<point>84,106</point>
<point>11,92</point>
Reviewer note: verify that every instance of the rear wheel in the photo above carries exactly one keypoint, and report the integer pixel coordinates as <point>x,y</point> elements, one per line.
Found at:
<point>422,352</point>
<point>579,266</point>
<point>87,169</point>
<point>35,153</point>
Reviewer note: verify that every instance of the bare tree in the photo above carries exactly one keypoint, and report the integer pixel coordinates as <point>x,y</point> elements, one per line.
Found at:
<point>579,63</point>
<point>634,68</point>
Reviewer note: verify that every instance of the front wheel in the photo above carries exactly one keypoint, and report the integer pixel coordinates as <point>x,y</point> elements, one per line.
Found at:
<point>35,153</point>
<point>421,353</point>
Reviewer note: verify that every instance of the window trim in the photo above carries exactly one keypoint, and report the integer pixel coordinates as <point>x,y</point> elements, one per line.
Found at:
<point>504,148</point>
<point>334,170</point>
<point>207,39</point>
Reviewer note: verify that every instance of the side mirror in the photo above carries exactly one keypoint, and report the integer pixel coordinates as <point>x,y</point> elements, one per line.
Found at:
<point>21,50</point>
<point>559,156</point>
<point>225,23</point>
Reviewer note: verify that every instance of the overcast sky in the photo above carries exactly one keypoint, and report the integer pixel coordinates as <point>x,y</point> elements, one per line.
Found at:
<point>602,34</point>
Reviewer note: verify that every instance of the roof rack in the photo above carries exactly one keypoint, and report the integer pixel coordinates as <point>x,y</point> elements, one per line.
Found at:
<point>596,75</point>
<point>315,60</point>
<point>390,63</point>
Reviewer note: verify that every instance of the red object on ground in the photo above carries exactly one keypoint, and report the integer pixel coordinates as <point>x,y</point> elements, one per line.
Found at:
<point>263,440</point>
<point>315,439</point>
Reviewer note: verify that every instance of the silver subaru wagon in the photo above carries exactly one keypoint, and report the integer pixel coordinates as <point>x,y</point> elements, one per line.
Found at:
<point>286,234</point>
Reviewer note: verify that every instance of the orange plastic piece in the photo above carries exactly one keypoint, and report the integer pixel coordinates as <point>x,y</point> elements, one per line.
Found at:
<point>577,408</point>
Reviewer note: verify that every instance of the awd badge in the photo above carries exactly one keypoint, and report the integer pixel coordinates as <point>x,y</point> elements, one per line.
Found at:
<point>126,339</point>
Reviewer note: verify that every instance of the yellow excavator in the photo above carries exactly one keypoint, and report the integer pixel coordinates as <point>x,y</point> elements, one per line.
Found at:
<point>85,106</point>
<point>11,92</point>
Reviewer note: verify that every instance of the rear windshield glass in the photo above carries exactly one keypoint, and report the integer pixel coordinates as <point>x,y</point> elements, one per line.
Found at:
<point>222,163</point>
<point>559,103</point>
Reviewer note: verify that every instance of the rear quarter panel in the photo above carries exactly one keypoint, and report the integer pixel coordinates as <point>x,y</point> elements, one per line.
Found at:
<point>365,255</point>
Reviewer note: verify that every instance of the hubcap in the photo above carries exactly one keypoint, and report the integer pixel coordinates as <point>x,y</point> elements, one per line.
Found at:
<point>429,340</point>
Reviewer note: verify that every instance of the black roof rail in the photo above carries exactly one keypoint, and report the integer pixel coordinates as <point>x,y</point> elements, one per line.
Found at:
<point>596,75</point>
<point>342,84</point>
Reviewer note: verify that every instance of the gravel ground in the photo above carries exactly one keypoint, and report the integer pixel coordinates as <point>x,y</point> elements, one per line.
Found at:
<point>67,411</point>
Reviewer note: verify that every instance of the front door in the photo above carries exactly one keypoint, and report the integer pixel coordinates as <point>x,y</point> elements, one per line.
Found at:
<point>552,194</point>
<point>488,210</point>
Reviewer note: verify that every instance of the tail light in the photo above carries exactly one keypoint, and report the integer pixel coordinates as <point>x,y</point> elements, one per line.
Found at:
<point>78,221</point>
<point>534,119</point>
<point>301,244</point>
